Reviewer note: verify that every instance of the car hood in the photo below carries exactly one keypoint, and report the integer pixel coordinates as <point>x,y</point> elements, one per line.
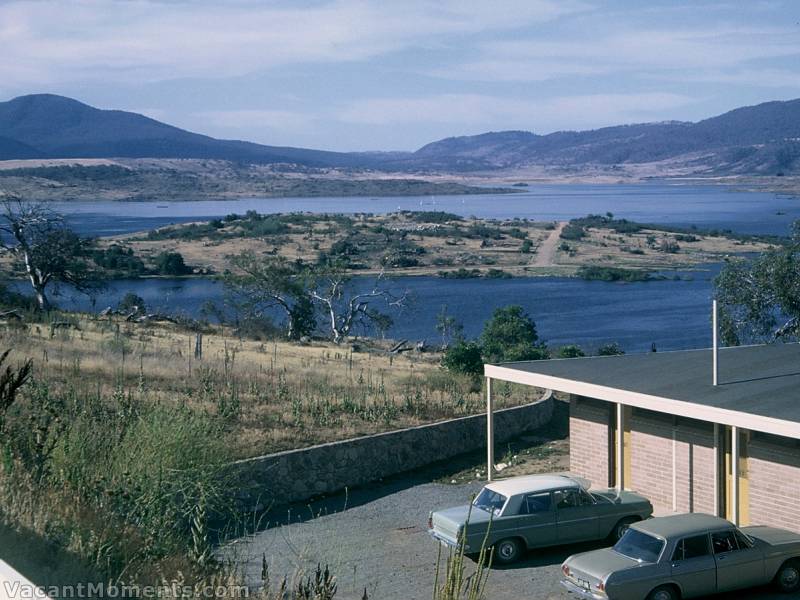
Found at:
<point>621,496</point>
<point>458,515</point>
<point>772,535</point>
<point>594,566</point>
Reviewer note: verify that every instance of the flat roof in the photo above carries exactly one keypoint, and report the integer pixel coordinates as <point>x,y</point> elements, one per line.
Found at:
<point>759,386</point>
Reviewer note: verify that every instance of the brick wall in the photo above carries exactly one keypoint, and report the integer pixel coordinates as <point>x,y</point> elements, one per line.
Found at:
<point>588,439</point>
<point>692,480</point>
<point>774,480</point>
<point>651,459</point>
<point>651,454</point>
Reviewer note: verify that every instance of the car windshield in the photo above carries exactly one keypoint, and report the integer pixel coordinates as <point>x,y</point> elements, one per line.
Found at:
<point>490,501</point>
<point>639,546</point>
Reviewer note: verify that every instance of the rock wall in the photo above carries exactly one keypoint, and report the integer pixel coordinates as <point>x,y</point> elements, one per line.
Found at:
<point>297,475</point>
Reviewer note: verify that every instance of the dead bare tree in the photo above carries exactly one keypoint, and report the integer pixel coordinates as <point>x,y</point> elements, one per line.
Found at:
<point>47,250</point>
<point>330,291</point>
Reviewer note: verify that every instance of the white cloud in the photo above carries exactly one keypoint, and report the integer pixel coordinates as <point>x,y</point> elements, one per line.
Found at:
<point>564,112</point>
<point>61,40</point>
<point>630,50</point>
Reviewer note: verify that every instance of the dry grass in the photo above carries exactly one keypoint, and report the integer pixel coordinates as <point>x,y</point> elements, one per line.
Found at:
<point>602,247</point>
<point>273,395</point>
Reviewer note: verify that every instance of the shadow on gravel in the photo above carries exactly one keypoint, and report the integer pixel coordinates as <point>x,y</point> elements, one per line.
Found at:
<point>550,556</point>
<point>301,512</point>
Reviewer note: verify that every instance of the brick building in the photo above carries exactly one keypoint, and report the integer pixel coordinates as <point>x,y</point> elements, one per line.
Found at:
<point>655,423</point>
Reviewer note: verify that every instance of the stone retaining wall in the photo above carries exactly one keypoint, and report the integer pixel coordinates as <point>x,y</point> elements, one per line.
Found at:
<point>297,475</point>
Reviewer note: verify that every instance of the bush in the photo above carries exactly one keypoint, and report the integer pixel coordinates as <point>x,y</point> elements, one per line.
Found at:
<point>463,357</point>
<point>155,467</point>
<point>527,245</point>
<point>611,349</point>
<point>570,351</point>
<point>595,273</point>
<point>131,301</point>
<point>171,263</point>
<point>510,335</point>
<point>572,231</point>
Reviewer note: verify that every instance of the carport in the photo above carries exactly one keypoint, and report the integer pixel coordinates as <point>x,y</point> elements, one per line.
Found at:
<point>657,423</point>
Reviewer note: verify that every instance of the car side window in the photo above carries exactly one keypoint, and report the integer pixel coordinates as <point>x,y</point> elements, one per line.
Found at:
<point>535,504</point>
<point>586,498</point>
<point>565,498</point>
<point>743,541</point>
<point>724,541</point>
<point>692,547</point>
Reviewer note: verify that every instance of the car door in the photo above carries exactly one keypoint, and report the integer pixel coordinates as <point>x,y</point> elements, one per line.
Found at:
<point>739,563</point>
<point>693,566</point>
<point>537,520</point>
<point>576,516</point>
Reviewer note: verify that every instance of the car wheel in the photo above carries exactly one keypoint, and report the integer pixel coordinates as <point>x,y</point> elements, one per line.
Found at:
<point>620,528</point>
<point>665,592</point>
<point>507,551</point>
<point>788,577</point>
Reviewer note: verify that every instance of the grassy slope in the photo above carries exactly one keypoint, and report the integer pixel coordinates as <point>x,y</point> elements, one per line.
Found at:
<point>272,395</point>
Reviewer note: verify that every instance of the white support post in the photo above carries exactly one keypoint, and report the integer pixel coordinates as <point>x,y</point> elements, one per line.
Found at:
<point>735,475</point>
<point>620,447</point>
<point>715,342</point>
<point>489,430</point>
<point>717,458</point>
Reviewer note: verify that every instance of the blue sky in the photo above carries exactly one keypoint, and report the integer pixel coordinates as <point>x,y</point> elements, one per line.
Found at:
<point>394,75</point>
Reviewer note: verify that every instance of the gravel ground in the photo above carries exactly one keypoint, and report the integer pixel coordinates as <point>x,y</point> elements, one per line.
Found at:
<point>376,539</point>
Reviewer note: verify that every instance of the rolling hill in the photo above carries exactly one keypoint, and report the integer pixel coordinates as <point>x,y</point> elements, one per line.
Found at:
<point>762,139</point>
<point>58,127</point>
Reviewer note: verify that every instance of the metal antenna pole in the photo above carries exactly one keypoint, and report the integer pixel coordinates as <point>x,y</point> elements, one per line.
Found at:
<point>715,342</point>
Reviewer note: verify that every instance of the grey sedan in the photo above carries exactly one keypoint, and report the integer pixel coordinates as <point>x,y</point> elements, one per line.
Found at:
<point>685,556</point>
<point>535,511</point>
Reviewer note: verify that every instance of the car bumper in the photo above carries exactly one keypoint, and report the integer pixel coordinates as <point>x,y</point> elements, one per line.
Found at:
<point>442,539</point>
<point>582,592</point>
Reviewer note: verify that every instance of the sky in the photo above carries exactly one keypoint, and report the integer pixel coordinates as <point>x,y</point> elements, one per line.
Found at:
<point>397,74</point>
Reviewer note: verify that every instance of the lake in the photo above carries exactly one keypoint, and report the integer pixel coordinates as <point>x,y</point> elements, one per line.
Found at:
<point>709,207</point>
<point>671,314</point>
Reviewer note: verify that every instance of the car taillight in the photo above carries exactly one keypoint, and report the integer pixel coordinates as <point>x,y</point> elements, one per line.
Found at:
<point>565,570</point>
<point>601,586</point>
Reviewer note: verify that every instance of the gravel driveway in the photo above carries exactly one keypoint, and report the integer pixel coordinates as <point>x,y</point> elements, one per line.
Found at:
<point>375,538</point>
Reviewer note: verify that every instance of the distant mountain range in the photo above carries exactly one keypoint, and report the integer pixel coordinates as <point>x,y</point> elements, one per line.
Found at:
<point>762,139</point>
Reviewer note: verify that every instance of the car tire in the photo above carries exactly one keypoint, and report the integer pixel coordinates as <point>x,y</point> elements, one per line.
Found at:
<point>787,579</point>
<point>507,551</point>
<point>664,592</point>
<point>620,528</point>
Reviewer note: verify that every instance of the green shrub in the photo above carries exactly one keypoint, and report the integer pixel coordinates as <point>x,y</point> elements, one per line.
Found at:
<point>595,273</point>
<point>570,351</point>
<point>463,357</point>
<point>610,349</point>
<point>171,263</point>
<point>510,335</point>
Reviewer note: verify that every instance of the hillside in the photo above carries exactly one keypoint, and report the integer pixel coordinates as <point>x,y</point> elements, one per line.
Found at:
<point>58,127</point>
<point>763,139</point>
<point>753,140</point>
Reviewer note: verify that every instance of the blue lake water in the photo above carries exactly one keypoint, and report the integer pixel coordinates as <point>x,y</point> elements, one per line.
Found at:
<point>670,314</point>
<point>704,206</point>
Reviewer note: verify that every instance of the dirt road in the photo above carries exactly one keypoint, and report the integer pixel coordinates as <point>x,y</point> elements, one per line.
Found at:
<point>546,252</point>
